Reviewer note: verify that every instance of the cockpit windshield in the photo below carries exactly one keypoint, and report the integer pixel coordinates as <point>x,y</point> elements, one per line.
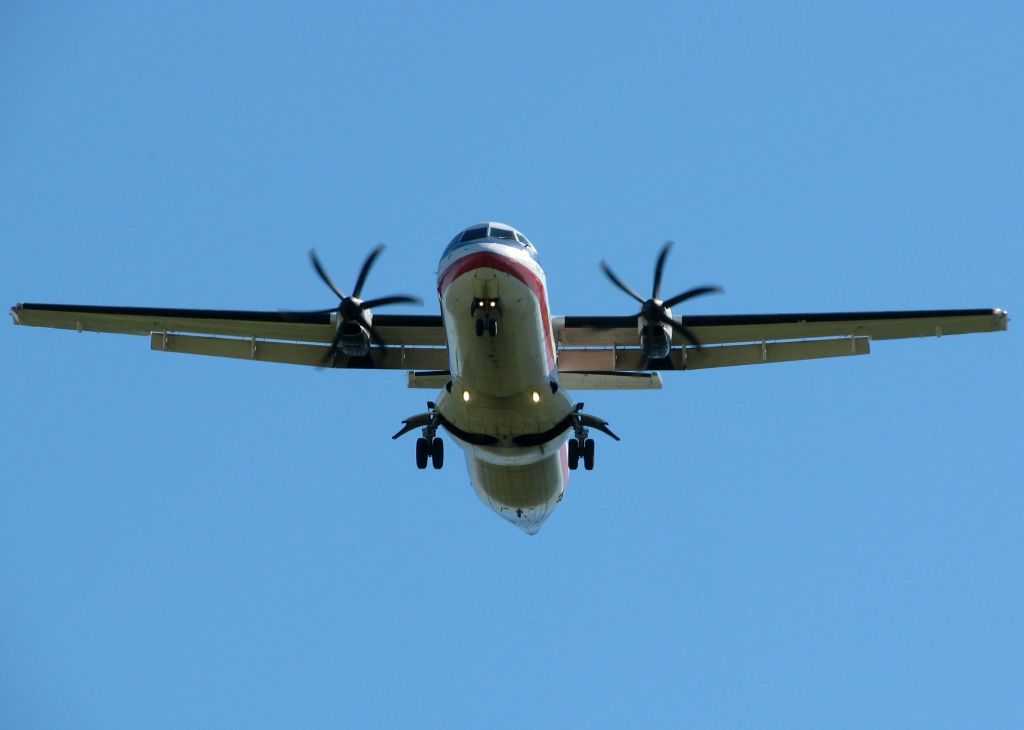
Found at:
<point>473,234</point>
<point>491,231</point>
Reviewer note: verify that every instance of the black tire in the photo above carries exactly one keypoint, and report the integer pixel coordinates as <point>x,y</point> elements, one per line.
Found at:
<point>479,327</point>
<point>492,327</point>
<point>422,453</point>
<point>437,453</point>
<point>574,454</point>
<point>588,454</point>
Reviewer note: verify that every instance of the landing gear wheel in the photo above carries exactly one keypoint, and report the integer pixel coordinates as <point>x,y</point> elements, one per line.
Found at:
<point>492,327</point>
<point>479,327</point>
<point>588,454</point>
<point>437,453</point>
<point>574,454</point>
<point>422,453</point>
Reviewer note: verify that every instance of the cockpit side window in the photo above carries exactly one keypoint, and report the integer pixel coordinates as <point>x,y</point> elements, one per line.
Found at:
<point>473,234</point>
<point>503,233</point>
<point>523,240</point>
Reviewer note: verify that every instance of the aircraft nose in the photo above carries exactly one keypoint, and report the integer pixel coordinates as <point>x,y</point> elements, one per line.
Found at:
<point>528,520</point>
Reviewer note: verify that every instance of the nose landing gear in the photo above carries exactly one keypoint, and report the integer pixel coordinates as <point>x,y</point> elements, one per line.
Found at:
<point>487,325</point>
<point>488,321</point>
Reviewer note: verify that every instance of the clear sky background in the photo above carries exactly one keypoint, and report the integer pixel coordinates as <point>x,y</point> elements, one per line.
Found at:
<point>195,542</point>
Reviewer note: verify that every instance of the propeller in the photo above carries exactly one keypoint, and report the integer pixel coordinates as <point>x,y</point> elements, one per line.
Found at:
<point>656,310</point>
<point>352,308</point>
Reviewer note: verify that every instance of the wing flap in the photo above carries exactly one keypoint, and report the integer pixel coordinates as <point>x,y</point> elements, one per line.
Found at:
<point>767,352</point>
<point>632,359</point>
<point>293,353</point>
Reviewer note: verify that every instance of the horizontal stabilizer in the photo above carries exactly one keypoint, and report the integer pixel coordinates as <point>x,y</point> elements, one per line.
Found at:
<point>593,380</point>
<point>432,379</point>
<point>605,380</point>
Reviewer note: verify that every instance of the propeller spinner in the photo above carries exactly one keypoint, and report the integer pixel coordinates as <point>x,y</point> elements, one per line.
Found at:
<point>656,313</point>
<point>355,320</point>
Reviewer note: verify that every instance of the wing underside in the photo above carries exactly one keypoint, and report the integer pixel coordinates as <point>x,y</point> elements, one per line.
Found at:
<point>412,341</point>
<point>611,343</point>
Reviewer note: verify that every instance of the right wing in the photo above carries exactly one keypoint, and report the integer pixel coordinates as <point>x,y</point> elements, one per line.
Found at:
<point>413,341</point>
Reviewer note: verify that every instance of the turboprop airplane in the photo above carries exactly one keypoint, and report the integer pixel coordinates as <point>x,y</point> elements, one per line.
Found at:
<point>504,367</point>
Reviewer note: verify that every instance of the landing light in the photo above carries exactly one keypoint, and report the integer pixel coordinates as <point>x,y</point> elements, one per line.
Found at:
<point>465,395</point>
<point>536,397</point>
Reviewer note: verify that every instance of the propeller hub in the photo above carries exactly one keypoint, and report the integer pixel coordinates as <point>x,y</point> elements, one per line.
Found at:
<point>350,307</point>
<point>652,309</point>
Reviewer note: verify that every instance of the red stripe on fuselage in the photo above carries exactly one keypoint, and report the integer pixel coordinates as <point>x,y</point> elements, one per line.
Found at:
<point>506,265</point>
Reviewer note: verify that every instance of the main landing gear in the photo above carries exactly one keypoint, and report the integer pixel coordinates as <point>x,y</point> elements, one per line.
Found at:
<point>584,448</point>
<point>429,448</point>
<point>581,445</point>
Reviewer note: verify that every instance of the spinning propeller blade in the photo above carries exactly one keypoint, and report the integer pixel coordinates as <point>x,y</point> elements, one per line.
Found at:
<point>352,308</point>
<point>655,310</point>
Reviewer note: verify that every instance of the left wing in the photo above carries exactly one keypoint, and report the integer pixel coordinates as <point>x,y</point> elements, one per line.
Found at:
<point>611,344</point>
<point>412,341</point>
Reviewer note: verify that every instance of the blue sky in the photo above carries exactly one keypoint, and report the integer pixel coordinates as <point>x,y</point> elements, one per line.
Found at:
<point>202,542</point>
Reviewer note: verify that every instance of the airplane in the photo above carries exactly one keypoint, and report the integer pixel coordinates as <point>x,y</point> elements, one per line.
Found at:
<point>502,366</point>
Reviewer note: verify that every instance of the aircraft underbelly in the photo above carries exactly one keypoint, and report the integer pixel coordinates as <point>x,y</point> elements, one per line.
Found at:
<point>522,494</point>
<point>510,362</point>
<point>502,389</point>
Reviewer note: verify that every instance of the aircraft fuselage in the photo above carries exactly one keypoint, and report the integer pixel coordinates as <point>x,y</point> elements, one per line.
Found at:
<point>503,406</point>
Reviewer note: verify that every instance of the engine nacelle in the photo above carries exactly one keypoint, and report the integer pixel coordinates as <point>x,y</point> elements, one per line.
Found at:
<point>355,341</point>
<point>655,340</point>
